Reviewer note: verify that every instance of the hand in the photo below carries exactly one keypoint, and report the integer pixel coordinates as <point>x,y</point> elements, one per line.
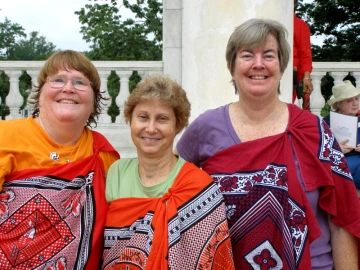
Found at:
<point>308,85</point>
<point>345,148</point>
<point>357,148</point>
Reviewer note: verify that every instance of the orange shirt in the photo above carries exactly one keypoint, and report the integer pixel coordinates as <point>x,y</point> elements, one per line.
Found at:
<point>25,145</point>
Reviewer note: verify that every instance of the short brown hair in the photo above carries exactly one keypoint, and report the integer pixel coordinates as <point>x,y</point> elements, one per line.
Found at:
<point>163,88</point>
<point>252,34</point>
<point>65,60</point>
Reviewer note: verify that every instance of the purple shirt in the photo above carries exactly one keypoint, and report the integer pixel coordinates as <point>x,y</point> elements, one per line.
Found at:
<point>212,132</point>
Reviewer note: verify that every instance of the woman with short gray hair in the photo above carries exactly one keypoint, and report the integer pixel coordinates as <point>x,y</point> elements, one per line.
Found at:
<point>286,184</point>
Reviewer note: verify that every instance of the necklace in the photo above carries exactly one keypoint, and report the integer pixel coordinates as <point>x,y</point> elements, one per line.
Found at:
<point>68,158</point>
<point>54,155</point>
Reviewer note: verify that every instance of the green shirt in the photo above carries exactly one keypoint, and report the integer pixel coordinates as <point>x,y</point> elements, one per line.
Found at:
<point>123,181</point>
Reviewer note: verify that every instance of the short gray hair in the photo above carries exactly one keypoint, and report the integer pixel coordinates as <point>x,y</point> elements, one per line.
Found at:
<point>252,34</point>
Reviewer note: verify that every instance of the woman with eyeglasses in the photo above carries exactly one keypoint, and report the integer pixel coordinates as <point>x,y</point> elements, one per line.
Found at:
<point>52,172</point>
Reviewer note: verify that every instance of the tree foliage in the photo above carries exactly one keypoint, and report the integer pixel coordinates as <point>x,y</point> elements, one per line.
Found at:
<point>131,39</point>
<point>14,45</point>
<point>4,91</point>
<point>36,47</point>
<point>112,38</point>
<point>339,22</point>
<point>9,32</point>
<point>25,85</point>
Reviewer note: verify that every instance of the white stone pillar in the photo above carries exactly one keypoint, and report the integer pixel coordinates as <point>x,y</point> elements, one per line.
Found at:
<point>172,38</point>
<point>14,99</point>
<point>104,118</point>
<point>356,75</point>
<point>144,74</point>
<point>338,76</point>
<point>206,28</point>
<point>123,94</point>
<point>34,75</point>
<point>317,100</point>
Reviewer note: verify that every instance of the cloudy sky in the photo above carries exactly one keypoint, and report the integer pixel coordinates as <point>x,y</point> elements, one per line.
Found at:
<point>54,19</point>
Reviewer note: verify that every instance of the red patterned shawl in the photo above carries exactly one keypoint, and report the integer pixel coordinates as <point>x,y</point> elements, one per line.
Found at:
<point>270,219</point>
<point>184,229</point>
<point>55,217</point>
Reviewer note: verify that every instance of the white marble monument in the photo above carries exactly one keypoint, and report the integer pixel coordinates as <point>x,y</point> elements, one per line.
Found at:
<point>195,37</point>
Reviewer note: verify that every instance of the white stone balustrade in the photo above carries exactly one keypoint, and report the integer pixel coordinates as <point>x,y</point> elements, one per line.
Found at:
<point>123,94</point>
<point>104,117</point>
<point>14,99</point>
<point>118,132</point>
<point>317,101</point>
<point>338,71</point>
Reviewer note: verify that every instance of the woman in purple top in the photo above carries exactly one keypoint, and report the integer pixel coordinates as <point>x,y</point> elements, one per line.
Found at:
<point>285,181</point>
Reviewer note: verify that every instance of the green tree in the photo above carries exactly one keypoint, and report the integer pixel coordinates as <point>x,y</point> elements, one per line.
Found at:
<point>9,32</point>
<point>113,87</point>
<point>36,47</point>
<point>4,91</point>
<point>25,85</point>
<point>338,21</point>
<point>131,39</point>
<point>112,38</point>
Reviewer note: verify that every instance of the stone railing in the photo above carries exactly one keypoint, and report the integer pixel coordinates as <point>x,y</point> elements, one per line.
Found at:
<point>338,71</point>
<point>118,132</point>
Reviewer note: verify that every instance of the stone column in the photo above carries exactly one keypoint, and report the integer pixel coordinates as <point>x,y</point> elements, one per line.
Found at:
<point>34,75</point>
<point>104,118</point>
<point>356,75</point>
<point>14,99</point>
<point>144,74</point>
<point>172,38</point>
<point>124,93</point>
<point>338,76</point>
<point>206,28</point>
<point>317,101</point>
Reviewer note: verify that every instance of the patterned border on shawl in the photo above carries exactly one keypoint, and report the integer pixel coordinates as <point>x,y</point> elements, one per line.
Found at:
<point>193,211</point>
<point>329,151</point>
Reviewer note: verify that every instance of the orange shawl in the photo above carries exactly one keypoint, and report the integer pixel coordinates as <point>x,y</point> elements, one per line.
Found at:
<point>184,229</point>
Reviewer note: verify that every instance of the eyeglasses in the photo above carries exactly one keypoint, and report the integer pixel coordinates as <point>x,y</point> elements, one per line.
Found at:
<point>59,82</point>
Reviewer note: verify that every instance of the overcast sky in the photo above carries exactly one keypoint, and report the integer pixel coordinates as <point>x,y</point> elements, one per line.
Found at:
<point>54,19</point>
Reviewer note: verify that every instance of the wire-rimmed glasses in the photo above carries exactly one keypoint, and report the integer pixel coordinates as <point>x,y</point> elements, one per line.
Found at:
<point>59,82</point>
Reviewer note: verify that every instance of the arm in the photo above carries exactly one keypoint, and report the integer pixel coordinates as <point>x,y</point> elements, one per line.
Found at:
<point>344,248</point>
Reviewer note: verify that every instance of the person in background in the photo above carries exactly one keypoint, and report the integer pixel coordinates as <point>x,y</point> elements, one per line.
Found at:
<point>164,213</point>
<point>291,202</point>
<point>345,100</point>
<point>52,172</point>
<point>302,61</point>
